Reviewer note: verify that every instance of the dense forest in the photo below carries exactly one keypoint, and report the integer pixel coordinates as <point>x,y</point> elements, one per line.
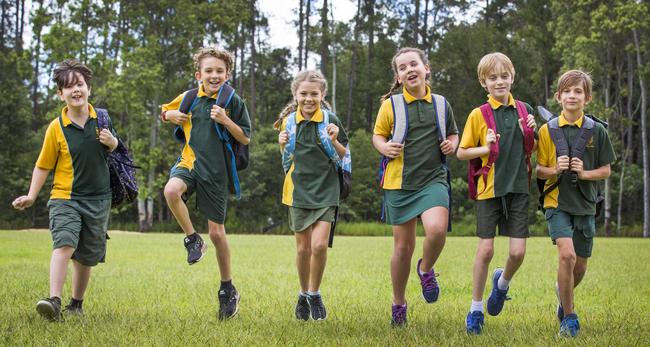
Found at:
<point>140,52</point>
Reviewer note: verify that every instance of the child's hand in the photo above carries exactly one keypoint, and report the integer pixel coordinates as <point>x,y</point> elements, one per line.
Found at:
<point>491,138</point>
<point>218,114</point>
<point>22,202</point>
<point>176,117</point>
<point>578,167</point>
<point>283,138</point>
<point>332,131</point>
<point>446,147</point>
<point>107,139</point>
<point>562,164</point>
<point>391,149</point>
<point>530,122</point>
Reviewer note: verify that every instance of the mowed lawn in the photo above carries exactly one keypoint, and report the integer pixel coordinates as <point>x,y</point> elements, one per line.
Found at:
<point>146,294</point>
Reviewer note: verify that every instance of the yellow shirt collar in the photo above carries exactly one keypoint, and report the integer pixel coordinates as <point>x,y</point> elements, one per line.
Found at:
<point>66,120</point>
<point>410,98</point>
<point>496,104</point>
<point>317,117</point>
<point>563,121</point>
<point>203,93</point>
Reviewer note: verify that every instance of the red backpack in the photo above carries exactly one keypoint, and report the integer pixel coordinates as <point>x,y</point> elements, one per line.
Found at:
<point>475,166</point>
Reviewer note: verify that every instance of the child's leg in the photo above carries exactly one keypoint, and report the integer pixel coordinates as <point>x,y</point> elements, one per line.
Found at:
<point>218,236</point>
<point>400,263</point>
<point>566,265</point>
<point>579,270</point>
<point>303,257</point>
<point>484,255</point>
<point>435,222</point>
<point>80,279</point>
<point>59,269</point>
<point>516,253</point>
<point>319,239</point>
<point>174,190</point>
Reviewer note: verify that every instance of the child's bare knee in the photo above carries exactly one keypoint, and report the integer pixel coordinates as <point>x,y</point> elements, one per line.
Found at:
<point>172,192</point>
<point>517,255</point>
<point>217,232</point>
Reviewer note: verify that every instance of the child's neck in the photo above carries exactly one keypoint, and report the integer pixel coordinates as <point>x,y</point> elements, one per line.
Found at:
<point>306,115</point>
<point>418,92</point>
<point>78,114</point>
<point>572,116</point>
<point>504,100</point>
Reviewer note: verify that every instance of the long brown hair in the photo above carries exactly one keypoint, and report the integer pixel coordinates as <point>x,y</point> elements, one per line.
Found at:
<point>303,76</point>
<point>396,84</point>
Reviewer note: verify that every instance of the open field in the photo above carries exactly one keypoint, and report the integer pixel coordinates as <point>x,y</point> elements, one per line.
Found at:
<point>146,294</point>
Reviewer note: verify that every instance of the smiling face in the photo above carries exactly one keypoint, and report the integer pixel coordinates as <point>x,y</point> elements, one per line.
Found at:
<point>308,95</point>
<point>573,98</point>
<point>498,83</point>
<point>411,71</point>
<point>76,94</point>
<point>212,73</point>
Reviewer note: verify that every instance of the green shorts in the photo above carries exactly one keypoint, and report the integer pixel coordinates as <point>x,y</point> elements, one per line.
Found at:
<point>210,200</point>
<point>400,205</point>
<point>301,218</point>
<point>80,224</point>
<point>509,212</point>
<point>580,228</point>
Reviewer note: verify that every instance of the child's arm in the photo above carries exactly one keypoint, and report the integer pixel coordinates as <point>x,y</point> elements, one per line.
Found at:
<point>477,152</point>
<point>333,133</point>
<point>107,139</point>
<point>386,148</point>
<point>38,179</point>
<point>546,172</point>
<point>448,146</point>
<point>218,114</point>
<point>174,116</point>
<point>598,174</point>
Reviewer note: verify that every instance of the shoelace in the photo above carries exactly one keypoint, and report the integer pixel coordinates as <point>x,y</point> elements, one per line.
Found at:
<point>399,313</point>
<point>429,281</point>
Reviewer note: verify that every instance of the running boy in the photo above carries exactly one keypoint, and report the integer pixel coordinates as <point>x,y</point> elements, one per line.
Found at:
<point>503,187</point>
<point>311,184</point>
<point>80,200</point>
<point>571,206</point>
<point>202,165</point>
<point>415,176</point>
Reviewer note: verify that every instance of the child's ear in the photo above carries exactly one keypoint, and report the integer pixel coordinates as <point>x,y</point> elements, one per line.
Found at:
<point>197,75</point>
<point>587,100</point>
<point>60,94</point>
<point>557,97</point>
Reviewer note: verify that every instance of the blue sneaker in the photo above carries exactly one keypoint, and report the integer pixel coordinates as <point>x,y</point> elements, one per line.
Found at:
<point>430,288</point>
<point>497,297</point>
<point>398,315</point>
<point>570,327</point>
<point>474,322</point>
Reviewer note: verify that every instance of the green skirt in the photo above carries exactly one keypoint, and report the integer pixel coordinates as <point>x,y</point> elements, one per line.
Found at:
<point>301,218</point>
<point>400,205</point>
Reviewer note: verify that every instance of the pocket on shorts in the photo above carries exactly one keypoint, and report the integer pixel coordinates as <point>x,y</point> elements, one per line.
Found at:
<point>587,226</point>
<point>548,214</point>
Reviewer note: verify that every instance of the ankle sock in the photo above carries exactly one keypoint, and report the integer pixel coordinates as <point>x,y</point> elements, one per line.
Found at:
<point>503,283</point>
<point>226,285</point>
<point>476,306</point>
<point>76,303</point>
<point>313,293</point>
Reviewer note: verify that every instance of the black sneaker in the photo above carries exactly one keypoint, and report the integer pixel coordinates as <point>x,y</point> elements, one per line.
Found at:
<point>302,308</point>
<point>316,307</point>
<point>73,310</point>
<point>228,303</point>
<point>49,308</point>
<point>196,249</point>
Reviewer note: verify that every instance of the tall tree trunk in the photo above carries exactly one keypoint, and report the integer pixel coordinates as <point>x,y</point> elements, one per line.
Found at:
<point>242,39</point>
<point>301,34</point>
<point>353,64</point>
<point>626,139</point>
<point>608,199</point>
<point>251,100</point>
<point>324,42</point>
<point>36,58</point>
<point>416,24</point>
<point>306,47</point>
<point>370,10</point>
<point>425,27</point>
<point>644,136</point>
<point>333,64</point>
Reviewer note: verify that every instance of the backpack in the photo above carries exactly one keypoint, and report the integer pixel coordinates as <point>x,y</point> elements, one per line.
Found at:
<point>400,130</point>
<point>562,148</point>
<point>475,166</point>
<point>124,187</point>
<point>237,156</point>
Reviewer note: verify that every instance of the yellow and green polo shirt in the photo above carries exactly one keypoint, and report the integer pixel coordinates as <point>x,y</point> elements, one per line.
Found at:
<point>77,158</point>
<point>420,162</point>
<point>312,180</point>
<point>203,151</point>
<point>581,199</point>
<point>509,173</point>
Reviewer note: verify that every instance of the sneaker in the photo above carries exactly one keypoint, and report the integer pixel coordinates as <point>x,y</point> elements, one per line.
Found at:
<point>302,308</point>
<point>474,322</point>
<point>228,303</point>
<point>195,250</point>
<point>570,327</point>
<point>497,297</point>
<point>430,289</point>
<point>318,311</point>
<point>399,315</point>
<point>74,310</point>
<point>49,308</point>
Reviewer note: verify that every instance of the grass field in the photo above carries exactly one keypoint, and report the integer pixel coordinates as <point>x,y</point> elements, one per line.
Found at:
<point>147,295</point>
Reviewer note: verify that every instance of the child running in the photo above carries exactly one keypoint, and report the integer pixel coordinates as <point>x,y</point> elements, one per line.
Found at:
<point>410,134</point>
<point>202,169</point>
<point>574,154</point>
<point>311,184</point>
<point>501,134</point>
<point>80,201</point>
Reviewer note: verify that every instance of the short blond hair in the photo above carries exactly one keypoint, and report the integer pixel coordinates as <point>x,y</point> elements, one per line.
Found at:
<point>205,52</point>
<point>574,78</point>
<point>489,63</point>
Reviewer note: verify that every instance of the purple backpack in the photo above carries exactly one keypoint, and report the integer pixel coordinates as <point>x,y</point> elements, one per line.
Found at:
<point>124,187</point>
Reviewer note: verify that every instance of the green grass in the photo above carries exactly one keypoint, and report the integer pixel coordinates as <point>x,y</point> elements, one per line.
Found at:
<point>147,295</point>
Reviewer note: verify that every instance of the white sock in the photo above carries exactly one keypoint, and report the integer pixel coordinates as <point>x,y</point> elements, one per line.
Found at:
<point>476,306</point>
<point>301,293</point>
<point>313,293</point>
<point>503,283</point>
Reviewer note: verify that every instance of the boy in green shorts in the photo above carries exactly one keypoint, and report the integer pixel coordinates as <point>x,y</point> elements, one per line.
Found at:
<point>202,168</point>
<point>80,200</point>
<point>502,129</point>
<point>572,171</point>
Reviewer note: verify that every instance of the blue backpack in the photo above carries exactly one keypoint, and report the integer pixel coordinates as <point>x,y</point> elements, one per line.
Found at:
<point>124,187</point>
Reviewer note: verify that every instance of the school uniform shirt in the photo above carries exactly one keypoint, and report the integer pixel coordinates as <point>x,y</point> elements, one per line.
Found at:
<point>77,158</point>
<point>312,180</point>
<point>581,199</point>
<point>420,162</point>
<point>509,173</point>
<point>204,152</point>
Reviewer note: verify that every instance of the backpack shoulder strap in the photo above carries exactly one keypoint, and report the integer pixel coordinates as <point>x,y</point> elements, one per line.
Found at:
<point>529,134</point>
<point>586,132</point>
<point>325,141</point>
<point>102,118</point>
<point>189,99</point>
<point>488,117</point>
<point>440,104</point>
<point>400,118</point>
<point>225,95</point>
<point>557,136</point>
<point>290,147</point>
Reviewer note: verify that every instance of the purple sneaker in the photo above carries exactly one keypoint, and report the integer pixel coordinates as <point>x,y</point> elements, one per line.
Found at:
<point>399,315</point>
<point>430,289</point>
